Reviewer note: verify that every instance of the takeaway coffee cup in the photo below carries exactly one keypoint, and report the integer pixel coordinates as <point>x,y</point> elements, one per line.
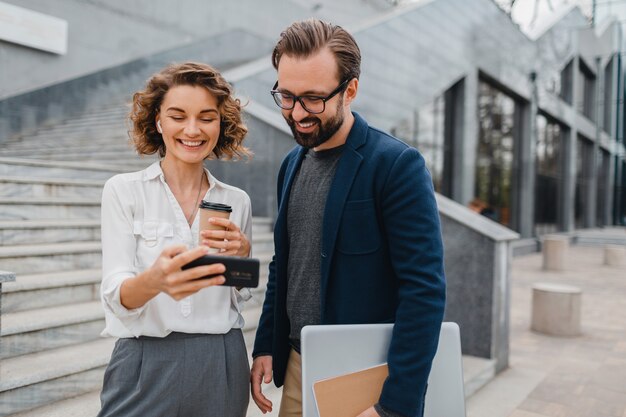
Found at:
<point>208,210</point>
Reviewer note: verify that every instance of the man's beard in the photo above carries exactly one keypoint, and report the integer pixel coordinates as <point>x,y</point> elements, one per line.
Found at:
<point>324,130</point>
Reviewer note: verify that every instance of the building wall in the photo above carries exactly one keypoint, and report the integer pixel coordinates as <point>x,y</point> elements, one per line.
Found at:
<point>106,33</point>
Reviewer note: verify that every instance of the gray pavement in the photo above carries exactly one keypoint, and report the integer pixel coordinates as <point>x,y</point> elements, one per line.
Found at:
<point>548,376</point>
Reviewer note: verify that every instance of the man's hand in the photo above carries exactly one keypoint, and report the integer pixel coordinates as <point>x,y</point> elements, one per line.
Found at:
<point>370,412</point>
<point>261,372</point>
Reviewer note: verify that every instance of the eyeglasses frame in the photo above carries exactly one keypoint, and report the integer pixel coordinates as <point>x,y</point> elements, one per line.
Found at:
<point>332,94</point>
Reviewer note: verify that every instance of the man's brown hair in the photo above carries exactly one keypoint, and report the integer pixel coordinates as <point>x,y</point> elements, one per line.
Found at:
<point>304,38</point>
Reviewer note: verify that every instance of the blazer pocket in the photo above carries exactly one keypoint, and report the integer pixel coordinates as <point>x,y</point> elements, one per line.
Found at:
<point>358,232</point>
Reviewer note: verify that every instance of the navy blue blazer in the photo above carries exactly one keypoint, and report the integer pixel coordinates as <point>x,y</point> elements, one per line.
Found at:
<point>382,260</point>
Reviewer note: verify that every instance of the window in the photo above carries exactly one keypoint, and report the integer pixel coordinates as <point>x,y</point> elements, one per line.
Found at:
<point>566,82</point>
<point>495,155</point>
<point>608,94</point>
<point>604,166</point>
<point>586,91</point>
<point>584,164</point>
<point>549,179</point>
<point>426,130</point>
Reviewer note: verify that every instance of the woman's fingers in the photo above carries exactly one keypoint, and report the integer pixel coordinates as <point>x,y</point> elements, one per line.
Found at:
<point>197,272</point>
<point>184,258</point>
<point>171,251</point>
<point>191,287</point>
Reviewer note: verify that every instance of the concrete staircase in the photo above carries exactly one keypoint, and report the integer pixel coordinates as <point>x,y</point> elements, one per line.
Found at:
<point>53,357</point>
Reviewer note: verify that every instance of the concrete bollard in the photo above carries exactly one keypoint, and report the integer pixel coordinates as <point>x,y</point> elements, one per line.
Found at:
<point>556,309</point>
<point>554,251</point>
<point>614,255</point>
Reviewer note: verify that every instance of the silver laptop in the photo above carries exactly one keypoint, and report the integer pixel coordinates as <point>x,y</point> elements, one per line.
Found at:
<point>333,350</point>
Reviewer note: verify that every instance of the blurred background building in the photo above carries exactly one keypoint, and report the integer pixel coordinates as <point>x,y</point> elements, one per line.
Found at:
<point>528,125</point>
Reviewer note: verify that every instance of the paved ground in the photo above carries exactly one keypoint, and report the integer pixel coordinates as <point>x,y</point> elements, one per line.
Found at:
<point>563,377</point>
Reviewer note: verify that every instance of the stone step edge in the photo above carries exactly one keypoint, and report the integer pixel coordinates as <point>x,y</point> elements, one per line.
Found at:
<point>50,317</point>
<point>51,224</point>
<point>51,181</point>
<point>49,280</point>
<point>54,363</point>
<point>20,251</point>
<point>43,201</point>
<point>62,164</point>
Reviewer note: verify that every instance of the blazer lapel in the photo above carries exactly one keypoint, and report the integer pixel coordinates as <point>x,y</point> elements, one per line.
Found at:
<point>337,195</point>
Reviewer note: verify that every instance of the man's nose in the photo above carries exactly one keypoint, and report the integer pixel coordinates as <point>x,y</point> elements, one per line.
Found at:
<point>299,112</point>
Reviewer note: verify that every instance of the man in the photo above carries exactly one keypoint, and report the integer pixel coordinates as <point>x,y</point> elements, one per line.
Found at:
<point>357,237</point>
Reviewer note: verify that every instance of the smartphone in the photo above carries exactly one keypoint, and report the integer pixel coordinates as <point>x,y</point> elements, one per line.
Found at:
<point>240,272</point>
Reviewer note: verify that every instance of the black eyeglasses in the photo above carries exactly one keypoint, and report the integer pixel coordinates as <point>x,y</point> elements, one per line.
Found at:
<point>312,104</point>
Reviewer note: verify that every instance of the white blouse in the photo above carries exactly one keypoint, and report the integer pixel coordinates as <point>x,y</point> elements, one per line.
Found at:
<point>140,217</point>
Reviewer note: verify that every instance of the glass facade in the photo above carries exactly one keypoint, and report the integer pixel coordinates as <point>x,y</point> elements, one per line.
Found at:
<point>584,164</point>
<point>567,76</point>
<point>608,92</point>
<point>604,166</point>
<point>425,131</point>
<point>586,87</point>
<point>549,179</point>
<point>495,154</point>
<point>622,208</point>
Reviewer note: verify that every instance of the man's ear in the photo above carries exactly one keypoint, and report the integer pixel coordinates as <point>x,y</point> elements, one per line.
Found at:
<point>351,90</point>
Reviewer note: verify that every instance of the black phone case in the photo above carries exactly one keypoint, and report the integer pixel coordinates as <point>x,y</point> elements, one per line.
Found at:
<point>240,272</point>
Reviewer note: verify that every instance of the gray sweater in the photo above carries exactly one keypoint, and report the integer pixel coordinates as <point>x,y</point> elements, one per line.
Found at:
<point>305,213</point>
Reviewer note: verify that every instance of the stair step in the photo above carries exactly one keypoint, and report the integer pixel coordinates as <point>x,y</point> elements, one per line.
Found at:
<point>49,147</point>
<point>58,169</point>
<point>24,232</point>
<point>36,379</point>
<point>262,243</point>
<point>86,405</point>
<point>262,225</point>
<point>51,289</point>
<point>22,187</point>
<point>12,208</point>
<point>70,142</point>
<point>48,328</point>
<point>50,257</point>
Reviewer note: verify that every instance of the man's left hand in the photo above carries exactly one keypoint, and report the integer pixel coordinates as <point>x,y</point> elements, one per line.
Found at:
<point>370,412</point>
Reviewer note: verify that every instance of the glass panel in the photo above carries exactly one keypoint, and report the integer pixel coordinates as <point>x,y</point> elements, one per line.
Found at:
<point>425,131</point>
<point>622,208</point>
<point>604,161</point>
<point>494,164</point>
<point>586,87</point>
<point>566,83</point>
<point>549,176</point>
<point>608,90</point>
<point>584,153</point>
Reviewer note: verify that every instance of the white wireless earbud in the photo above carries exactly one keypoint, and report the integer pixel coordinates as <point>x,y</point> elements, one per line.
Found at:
<point>159,128</point>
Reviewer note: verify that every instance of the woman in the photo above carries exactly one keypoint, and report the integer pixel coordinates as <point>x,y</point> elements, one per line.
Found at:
<point>180,350</point>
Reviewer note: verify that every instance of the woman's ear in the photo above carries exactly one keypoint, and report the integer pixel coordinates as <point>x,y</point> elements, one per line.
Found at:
<point>158,125</point>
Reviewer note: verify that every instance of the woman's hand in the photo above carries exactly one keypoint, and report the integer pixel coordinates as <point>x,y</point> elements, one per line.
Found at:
<point>166,276</point>
<point>231,242</point>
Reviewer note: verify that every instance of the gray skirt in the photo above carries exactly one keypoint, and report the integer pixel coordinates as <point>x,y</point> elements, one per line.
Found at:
<point>202,375</point>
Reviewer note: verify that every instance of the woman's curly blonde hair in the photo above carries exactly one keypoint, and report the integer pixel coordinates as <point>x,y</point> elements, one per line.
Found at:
<point>147,102</point>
